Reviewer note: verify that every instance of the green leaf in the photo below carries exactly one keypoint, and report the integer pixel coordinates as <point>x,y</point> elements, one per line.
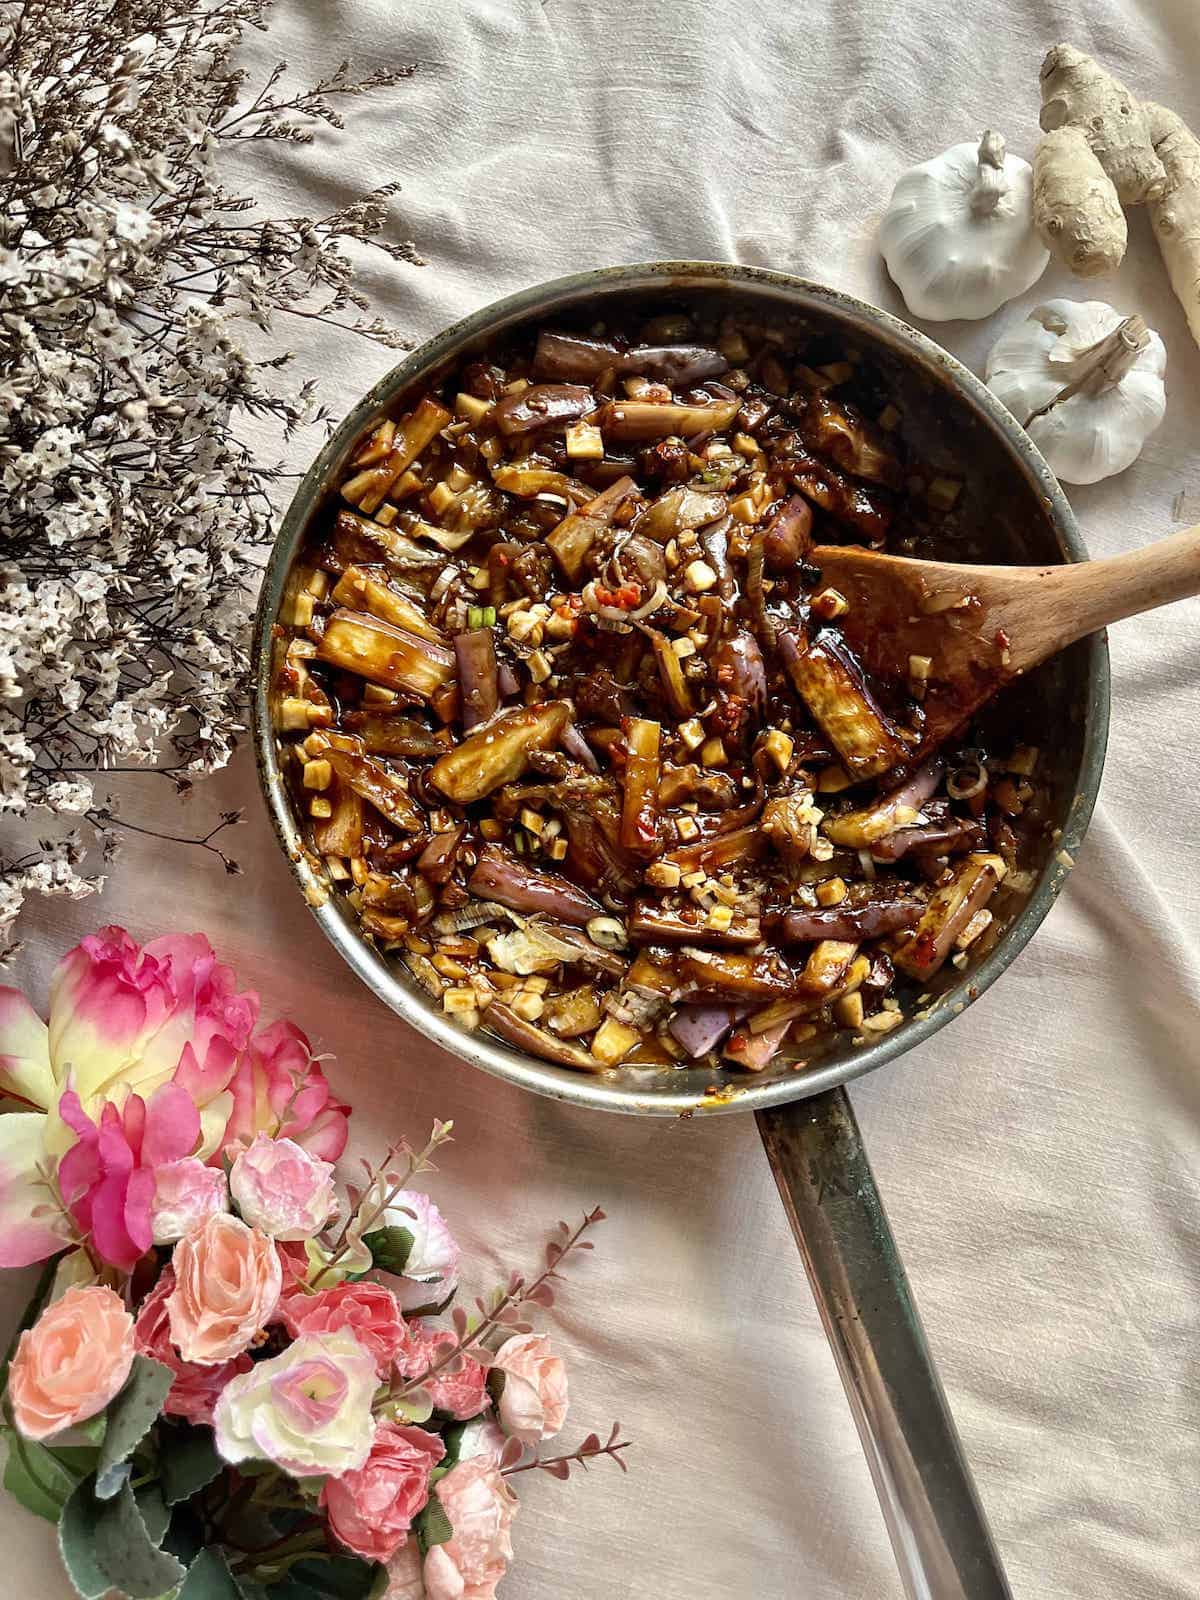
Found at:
<point>188,1460</point>
<point>40,1479</point>
<point>126,1552</point>
<point>390,1248</point>
<point>130,1417</point>
<point>155,1511</point>
<point>77,1544</point>
<point>105,1545</point>
<point>209,1578</point>
<point>433,1526</point>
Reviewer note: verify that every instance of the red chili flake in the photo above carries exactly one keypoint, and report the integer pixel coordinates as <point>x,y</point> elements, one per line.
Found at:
<point>1002,639</point>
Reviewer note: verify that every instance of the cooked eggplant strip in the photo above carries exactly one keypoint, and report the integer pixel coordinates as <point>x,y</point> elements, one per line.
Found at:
<point>853,443</point>
<point>356,540</point>
<point>947,914</point>
<point>368,589</point>
<point>536,1041</point>
<point>585,735</point>
<point>738,846</point>
<point>651,419</point>
<point>670,671</point>
<point>384,654</point>
<point>899,809</point>
<point>542,405</point>
<point>948,838</point>
<point>386,790</point>
<point>386,733</point>
<point>575,534</point>
<point>498,753</point>
<point>502,878</point>
<point>651,923</point>
<point>733,973</point>
<point>787,538</point>
<point>639,811</point>
<point>873,920</point>
<point>341,833</point>
<point>755,1051</point>
<point>568,356</point>
<point>832,686</point>
<point>826,966</point>
<point>436,861</point>
<point>700,1029</point>
<point>478,676</point>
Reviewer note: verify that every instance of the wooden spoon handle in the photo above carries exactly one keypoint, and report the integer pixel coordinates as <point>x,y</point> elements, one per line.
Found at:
<point>1054,606</point>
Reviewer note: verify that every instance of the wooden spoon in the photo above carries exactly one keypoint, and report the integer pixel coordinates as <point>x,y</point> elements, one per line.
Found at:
<point>977,627</point>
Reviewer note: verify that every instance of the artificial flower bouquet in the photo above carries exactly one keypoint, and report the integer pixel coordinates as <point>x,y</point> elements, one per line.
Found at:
<point>232,1383</point>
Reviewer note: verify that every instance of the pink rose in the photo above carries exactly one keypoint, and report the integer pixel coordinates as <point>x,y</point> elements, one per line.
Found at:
<point>533,1401</point>
<point>367,1310</point>
<point>280,1188</point>
<point>307,1410</point>
<point>404,1574</point>
<point>430,1274</point>
<point>371,1510</point>
<point>195,1391</point>
<point>107,1178</point>
<point>463,1393</point>
<point>278,1062</point>
<point>481,1507</point>
<point>126,1018</point>
<point>227,1284</point>
<point>185,1192</point>
<point>71,1363</point>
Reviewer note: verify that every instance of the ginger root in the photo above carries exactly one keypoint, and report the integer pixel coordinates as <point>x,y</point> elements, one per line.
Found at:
<point>1075,205</point>
<point>1176,212</point>
<point>1103,149</point>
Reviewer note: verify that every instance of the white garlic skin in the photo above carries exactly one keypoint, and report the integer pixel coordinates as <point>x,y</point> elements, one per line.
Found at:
<point>1088,437</point>
<point>948,259</point>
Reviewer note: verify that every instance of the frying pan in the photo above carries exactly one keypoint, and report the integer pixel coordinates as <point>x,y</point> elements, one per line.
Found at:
<point>1011,509</point>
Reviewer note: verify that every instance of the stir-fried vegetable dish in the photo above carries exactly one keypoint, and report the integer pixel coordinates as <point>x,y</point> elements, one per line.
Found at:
<point>573,724</point>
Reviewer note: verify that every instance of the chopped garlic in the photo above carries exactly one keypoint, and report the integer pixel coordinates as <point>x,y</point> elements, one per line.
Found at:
<point>585,442</point>
<point>779,747</point>
<point>664,875</point>
<point>832,892</point>
<point>317,775</point>
<point>612,1041</point>
<point>692,733</point>
<point>719,919</point>
<point>698,577</point>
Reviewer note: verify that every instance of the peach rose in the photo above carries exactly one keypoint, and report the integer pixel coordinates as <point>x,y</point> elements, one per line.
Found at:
<point>71,1363</point>
<point>533,1402</point>
<point>227,1284</point>
<point>481,1508</point>
<point>371,1509</point>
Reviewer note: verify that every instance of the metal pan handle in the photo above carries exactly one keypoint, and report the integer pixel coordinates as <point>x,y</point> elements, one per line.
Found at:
<point>936,1524</point>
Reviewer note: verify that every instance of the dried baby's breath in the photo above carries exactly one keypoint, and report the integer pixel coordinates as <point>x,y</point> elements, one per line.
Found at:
<point>132,516</point>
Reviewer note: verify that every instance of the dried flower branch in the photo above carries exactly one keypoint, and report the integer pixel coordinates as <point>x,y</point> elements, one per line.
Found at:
<point>560,1466</point>
<point>502,1312</point>
<point>133,516</point>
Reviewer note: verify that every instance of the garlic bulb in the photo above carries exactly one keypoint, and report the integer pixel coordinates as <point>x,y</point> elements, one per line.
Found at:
<point>1085,382</point>
<point>958,234</point>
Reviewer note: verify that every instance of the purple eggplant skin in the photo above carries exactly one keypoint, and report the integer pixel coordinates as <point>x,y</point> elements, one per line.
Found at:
<point>569,357</point>
<point>436,861</point>
<point>541,405</point>
<point>850,923</point>
<point>478,676</point>
<point>741,685</point>
<point>700,1029</point>
<point>503,878</point>
<point>526,1036</point>
<point>754,1051</point>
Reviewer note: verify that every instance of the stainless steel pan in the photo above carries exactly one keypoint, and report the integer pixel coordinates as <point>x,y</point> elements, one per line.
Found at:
<point>1012,509</point>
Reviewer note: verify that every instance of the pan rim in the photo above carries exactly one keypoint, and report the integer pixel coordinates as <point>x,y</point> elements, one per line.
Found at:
<point>484,1050</point>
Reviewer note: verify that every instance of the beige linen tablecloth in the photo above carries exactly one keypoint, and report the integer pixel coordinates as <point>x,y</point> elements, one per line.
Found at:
<point>1041,1160</point>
